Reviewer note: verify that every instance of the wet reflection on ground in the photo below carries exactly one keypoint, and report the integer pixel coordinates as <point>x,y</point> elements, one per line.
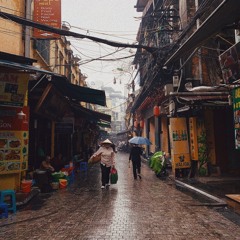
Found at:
<point>131,209</point>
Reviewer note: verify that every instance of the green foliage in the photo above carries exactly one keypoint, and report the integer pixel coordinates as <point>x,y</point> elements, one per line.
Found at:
<point>203,153</point>
<point>202,171</point>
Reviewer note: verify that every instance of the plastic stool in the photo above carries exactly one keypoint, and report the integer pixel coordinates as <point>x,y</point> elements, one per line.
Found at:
<point>4,210</point>
<point>83,166</point>
<point>11,194</point>
<point>71,176</point>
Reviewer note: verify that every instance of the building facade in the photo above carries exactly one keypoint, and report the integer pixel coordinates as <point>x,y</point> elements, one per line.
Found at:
<point>184,77</point>
<point>43,95</point>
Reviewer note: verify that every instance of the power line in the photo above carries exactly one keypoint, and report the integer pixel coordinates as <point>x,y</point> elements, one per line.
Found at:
<point>43,27</point>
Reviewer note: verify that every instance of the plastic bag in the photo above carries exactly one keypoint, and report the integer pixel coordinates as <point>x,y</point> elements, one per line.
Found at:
<point>113,176</point>
<point>156,162</point>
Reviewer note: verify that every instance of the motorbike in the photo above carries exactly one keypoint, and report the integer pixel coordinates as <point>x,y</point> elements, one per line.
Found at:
<point>163,172</point>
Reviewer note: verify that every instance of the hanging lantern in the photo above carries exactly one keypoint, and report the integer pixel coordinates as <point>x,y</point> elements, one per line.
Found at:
<point>156,111</point>
<point>141,123</point>
<point>135,123</point>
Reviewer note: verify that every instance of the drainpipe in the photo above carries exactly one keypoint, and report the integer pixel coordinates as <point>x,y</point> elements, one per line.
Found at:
<point>199,50</point>
<point>27,29</point>
<point>157,132</point>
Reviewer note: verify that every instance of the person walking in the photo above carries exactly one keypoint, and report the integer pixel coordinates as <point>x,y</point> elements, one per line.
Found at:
<point>135,156</point>
<point>107,161</point>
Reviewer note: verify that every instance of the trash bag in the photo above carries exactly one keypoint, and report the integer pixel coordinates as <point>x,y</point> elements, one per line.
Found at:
<point>113,176</point>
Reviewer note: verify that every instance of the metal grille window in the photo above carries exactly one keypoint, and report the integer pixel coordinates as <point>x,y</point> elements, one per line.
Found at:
<point>43,47</point>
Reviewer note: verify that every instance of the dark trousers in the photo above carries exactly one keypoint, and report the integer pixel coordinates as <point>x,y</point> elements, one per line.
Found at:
<point>105,174</point>
<point>136,167</point>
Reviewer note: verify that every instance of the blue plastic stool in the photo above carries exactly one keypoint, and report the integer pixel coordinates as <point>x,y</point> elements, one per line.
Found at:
<point>83,166</point>
<point>11,194</point>
<point>4,210</point>
<point>71,176</point>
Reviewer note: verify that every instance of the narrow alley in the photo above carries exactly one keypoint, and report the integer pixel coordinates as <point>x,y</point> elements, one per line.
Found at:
<point>132,209</point>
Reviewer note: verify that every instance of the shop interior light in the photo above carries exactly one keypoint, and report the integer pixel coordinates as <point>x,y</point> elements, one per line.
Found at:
<point>21,115</point>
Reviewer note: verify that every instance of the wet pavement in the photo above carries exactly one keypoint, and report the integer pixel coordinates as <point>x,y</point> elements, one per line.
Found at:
<point>131,209</point>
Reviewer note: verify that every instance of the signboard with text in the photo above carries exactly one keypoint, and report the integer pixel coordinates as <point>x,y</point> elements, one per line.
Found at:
<point>13,140</point>
<point>13,89</point>
<point>179,143</point>
<point>47,12</point>
<point>193,138</point>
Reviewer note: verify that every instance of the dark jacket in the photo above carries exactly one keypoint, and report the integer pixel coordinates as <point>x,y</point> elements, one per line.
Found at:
<point>135,154</point>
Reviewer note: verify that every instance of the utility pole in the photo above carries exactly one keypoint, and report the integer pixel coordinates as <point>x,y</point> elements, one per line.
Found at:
<point>27,41</point>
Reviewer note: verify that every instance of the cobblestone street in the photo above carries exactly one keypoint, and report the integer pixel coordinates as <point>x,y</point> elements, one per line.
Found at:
<point>132,209</point>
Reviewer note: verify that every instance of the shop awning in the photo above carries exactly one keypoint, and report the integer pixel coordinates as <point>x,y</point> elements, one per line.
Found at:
<point>226,13</point>
<point>123,132</point>
<point>90,114</point>
<point>104,124</point>
<point>78,93</point>
<point>23,67</point>
<point>200,95</point>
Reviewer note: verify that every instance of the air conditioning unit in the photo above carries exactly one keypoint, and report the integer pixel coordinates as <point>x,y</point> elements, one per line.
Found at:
<point>167,89</point>
<point>195,82</point>
<point>175,81</point>
<point>172,108</point>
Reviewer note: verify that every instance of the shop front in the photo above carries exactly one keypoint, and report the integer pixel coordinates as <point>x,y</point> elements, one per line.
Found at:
<point>58,123</point>
<point>14,118</point>
<point>14,136</point>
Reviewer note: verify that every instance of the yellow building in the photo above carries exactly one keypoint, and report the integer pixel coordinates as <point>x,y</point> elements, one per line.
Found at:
<point>51,56</point>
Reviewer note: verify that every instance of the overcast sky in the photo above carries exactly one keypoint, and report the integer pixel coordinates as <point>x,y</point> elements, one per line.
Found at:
<point>108,19</point>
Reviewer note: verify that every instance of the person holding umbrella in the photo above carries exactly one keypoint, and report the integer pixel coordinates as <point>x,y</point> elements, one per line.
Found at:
<point>135,156</point>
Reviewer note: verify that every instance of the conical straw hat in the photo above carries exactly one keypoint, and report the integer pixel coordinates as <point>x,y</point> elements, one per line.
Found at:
<point>107,141</point>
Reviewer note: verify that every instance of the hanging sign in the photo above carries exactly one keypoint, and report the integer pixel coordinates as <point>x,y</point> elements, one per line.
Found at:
<point>47,12</point>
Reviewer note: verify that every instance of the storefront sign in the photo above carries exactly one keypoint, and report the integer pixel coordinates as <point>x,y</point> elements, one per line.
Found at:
<point>193,138</point>
<point>13,140</point>
<point>236,115</point>
<point>47,12</point>
<point>179,143</point>
<point>13,88</point>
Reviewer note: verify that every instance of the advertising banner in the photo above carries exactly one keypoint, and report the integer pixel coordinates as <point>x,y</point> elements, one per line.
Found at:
<point>229,62</point>
<point>13,140</point>
<point>47,12</point>
<point>236,115</point>
<point>179,143</point>
<point>13,88</point>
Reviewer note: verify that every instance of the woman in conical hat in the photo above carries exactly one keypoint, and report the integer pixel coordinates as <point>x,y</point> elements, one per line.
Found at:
<point>107,160</point>
<point>107,141</point>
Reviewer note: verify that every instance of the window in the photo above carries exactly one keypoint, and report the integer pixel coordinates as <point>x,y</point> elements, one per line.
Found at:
<point>43,47</point>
